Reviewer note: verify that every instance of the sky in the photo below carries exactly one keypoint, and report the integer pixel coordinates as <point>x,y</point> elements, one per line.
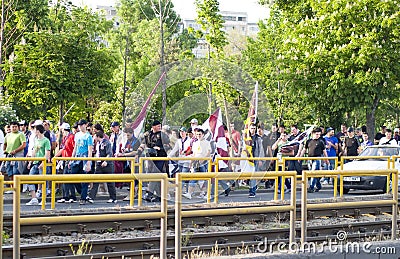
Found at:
<point>186,8</point>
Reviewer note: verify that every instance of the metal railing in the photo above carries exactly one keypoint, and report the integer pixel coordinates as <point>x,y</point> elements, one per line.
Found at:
<point>121,159</point>
<point>341,174</point>
<point>78,178</point>
<point>285,159</point>
<point>179,214</point>
<point>271,159</point>
<point>141,170</point>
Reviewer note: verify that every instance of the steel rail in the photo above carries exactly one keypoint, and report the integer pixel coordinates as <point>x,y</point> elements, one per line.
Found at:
<point>145,247</point>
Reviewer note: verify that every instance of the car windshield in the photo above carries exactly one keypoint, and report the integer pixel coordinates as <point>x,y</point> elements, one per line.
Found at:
<point>380,151</point>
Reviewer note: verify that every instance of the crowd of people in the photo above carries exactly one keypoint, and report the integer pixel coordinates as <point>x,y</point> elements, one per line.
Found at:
<point>84,139</point>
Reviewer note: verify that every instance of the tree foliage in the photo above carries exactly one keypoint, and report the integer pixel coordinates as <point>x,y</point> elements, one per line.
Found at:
<point>340,56</point>
<point>68,63</point>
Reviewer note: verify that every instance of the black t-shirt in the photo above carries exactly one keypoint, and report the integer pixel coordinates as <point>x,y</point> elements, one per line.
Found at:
<point>315,147</point>
<point>157,139</point>
<point>352,145</point>
<point>379,135</point>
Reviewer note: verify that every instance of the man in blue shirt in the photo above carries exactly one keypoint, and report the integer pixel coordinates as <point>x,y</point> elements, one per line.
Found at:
<point>332,145</point>
<point>83,148</point>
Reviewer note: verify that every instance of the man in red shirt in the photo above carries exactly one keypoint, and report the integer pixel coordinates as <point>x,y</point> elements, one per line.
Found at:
<point>66,149</point>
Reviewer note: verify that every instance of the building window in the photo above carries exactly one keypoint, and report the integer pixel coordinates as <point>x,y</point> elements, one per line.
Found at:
<point>241,19</point>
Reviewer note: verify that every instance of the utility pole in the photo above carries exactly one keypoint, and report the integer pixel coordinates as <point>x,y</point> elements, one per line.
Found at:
<point>125,88</point>
<point>162,62</point>
<point>1,46</point>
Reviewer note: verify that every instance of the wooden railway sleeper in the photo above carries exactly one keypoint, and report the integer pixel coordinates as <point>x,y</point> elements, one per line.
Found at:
<point>45,230</point>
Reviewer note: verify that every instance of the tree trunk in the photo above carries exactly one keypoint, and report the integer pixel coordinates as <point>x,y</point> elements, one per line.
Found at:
<point>370,117</point>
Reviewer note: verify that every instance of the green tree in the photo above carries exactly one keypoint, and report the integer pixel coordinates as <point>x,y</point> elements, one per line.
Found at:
<point>69,64</point>
<point>341,56</point>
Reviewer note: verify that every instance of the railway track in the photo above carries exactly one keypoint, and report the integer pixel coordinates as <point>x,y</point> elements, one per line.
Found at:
<point>230,241</point>
<point>142,224</point>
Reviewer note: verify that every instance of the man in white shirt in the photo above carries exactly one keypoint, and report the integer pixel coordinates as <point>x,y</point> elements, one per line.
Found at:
<point>388,139</point>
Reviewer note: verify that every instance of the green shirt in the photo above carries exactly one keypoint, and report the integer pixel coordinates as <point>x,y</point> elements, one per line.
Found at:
<point>14,140</point>
<point>41,146</point>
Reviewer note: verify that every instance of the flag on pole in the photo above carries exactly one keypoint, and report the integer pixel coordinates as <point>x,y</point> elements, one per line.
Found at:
<point>247,165</point>
<point>137,125</point>
<point>215,127</point>
<point>300,138</point>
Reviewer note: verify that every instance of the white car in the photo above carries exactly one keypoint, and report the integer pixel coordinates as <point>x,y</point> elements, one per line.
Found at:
<point>370,182</point>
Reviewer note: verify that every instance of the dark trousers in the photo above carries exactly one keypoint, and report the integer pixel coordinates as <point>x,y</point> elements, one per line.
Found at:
<point>109,169</point>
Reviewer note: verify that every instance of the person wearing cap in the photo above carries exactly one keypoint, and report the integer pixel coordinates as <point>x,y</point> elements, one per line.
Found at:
<point>193,123</point>
<point>14,145</point>
<point>396,135</point>
<point>41,149</point>
<point>23,127</point>
<point>66,149</point>
<point>332,147</point>
<point>116,139</point>
<point>388,139</point>
<point>154,145</point>
<point>351,144</point>
<point>83,148</point>
<point>316,148</point>
<point>182,148</point>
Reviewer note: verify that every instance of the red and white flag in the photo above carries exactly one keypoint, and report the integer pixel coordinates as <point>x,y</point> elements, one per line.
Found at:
<point>137,125</point>
<point>247,152</point>
<point>215,126</point>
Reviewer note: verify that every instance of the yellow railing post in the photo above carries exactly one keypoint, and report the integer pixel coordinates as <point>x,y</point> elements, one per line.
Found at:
<point>303,202</point>
<point>16,217</point>
<point>1,211</point>
<point>178,215</point>
<point>395,190</point>
<point>140,185</point>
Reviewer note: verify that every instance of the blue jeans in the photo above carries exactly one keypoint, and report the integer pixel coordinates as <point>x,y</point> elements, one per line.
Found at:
<point>77,168</point>
<point>201,169</point>
<point>35,170</point>
<point>315,181</point>
<point>253,182</point>
<point>12,168</point>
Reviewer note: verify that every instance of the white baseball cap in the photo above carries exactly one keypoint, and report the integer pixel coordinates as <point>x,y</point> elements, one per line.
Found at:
<point>37,122</point>
<point>65,126</point>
